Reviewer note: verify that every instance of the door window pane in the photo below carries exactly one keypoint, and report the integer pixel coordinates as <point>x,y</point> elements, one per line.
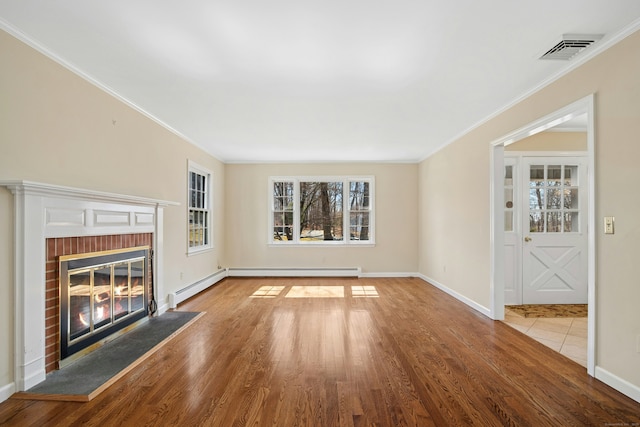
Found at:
<point>554,222</point>
<point>554,198</point>
<point>508,221</point>
<point>571,222</point>
<point>536,198</point>
<point>571,198</point>
<point>571,175</point>
<point>536,222</point>
<point>508,175</point>
<point>554,176</point>
<point>553,191</point>
<point>536,176</point>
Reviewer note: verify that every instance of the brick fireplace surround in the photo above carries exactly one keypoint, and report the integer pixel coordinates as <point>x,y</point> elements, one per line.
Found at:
<point>50,221</point>
<point>74,246</point>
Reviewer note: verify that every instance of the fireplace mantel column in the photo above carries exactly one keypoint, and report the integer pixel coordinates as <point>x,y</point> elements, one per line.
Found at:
<point>48,211</point>
<point>29,294</point>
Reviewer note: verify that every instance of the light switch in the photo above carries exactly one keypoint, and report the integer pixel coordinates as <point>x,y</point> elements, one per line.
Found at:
<point>608,225</point>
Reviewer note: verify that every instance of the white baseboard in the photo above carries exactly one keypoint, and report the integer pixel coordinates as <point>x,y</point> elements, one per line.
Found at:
<point>623,386</point>
<point>162,309</point>
<point>6,391</point>
<point>295,272</point>
<point>187,292</point>
<point>392,274</point>
<point>456,295</point>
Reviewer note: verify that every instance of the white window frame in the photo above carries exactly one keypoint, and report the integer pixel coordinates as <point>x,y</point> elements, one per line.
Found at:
<point>208,208</point>
<point>346,241</point>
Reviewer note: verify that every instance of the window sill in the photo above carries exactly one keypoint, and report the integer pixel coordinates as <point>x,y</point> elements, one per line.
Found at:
<point>194,251</point>
<point>321,244</point>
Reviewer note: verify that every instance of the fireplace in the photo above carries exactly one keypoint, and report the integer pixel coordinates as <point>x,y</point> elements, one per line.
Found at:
<point>101,293</point>
<point>52,221</point>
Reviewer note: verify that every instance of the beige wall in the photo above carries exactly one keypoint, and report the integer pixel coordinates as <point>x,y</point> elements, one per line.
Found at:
<point>247,204</point>
<point>463,169</point>
<point>56,128</point>
<point>551,141</point>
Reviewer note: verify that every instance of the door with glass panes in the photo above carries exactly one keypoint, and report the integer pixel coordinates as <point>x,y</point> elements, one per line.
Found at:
<point>512,240</point>
<point>554,230</point>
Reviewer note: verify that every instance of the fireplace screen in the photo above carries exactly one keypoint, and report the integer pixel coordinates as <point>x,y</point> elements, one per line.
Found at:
<point>100,293</point>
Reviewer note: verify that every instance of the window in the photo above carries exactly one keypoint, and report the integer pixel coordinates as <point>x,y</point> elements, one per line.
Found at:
<point>553,199</point>
<point>321,210</point>
<point>199,194</point>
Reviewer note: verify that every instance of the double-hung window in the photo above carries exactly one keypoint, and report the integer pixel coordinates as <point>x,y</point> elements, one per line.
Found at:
<point>321,210</point>
<point>199,213</point>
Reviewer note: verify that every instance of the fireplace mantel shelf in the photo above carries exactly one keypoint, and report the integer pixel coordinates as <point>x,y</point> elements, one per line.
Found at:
<point>46,190</point>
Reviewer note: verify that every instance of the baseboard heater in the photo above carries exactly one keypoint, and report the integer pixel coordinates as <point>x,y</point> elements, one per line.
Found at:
<point>187,292</point>
<point>295,272</point>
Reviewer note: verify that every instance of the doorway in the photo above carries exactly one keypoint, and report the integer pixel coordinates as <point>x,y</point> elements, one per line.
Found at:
<point>545,227</point>
<point>499,238</point>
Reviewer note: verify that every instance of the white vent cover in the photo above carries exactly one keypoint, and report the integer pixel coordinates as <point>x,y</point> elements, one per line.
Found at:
<point>571,45</point>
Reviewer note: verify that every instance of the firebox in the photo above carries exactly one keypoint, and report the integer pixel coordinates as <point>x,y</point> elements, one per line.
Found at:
<point>101,293</point>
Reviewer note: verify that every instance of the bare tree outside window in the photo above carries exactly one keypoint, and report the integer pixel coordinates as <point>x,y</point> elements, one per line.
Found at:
<point>315,210</point>
<point>283,210</point>
<point>321,211</point>
<point>359,202</point>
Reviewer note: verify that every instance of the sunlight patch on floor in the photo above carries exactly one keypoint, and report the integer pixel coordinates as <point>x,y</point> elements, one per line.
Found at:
<point>267,292</point>
<point>364,291</point>
<point>316,292</point>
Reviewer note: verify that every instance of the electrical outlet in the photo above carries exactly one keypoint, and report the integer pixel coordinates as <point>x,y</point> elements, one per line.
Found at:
<point>608,224</point>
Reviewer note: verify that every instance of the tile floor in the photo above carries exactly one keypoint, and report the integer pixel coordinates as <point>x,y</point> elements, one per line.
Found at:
<point>565,335</point>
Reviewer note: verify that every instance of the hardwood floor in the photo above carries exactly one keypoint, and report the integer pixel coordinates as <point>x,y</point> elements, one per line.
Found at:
<point>411,355</point>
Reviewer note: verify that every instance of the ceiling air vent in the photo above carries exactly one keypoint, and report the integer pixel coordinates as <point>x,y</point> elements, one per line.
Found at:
<point>571,45</point>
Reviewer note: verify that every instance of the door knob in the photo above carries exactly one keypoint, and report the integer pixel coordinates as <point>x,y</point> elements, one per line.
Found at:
<point>527,239</point>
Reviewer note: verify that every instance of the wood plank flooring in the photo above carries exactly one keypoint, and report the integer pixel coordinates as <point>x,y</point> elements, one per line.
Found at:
<point>410,356</point>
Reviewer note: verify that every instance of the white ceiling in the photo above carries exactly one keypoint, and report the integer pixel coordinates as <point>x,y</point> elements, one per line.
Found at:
<point>312,81</point>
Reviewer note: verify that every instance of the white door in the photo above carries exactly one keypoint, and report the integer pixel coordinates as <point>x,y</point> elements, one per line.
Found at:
<point>554,230</point>
<point>512,245</point>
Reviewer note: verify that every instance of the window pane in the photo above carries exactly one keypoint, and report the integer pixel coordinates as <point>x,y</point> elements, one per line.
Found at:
<point>205,229</point>
<point>359,195</point>
<point>278,204</point>
<point>359,226</point>
<point>320,211</point>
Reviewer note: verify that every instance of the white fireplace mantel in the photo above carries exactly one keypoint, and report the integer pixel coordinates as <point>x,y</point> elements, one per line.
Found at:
<point>46,211</point>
